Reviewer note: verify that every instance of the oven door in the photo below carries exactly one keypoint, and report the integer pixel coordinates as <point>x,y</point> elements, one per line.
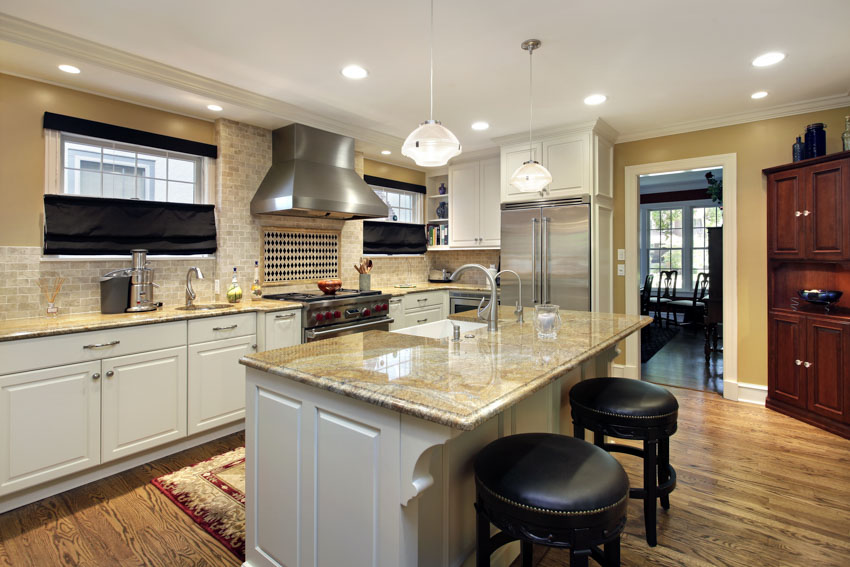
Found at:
<point>466,301</point>
<point>311,335</point>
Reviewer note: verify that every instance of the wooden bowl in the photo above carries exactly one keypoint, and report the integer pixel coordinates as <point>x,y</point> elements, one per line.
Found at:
<point>329,287</point>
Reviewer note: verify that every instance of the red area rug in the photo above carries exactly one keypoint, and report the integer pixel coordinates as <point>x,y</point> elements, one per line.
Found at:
<point>212,493</point>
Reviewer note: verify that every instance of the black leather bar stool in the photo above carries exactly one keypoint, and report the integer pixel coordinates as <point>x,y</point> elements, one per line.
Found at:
<point>553,490</point>
<point>631,409</point>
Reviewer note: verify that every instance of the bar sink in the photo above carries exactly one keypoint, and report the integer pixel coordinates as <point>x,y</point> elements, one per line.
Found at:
<point>204,307</point>
<point>440,329</point>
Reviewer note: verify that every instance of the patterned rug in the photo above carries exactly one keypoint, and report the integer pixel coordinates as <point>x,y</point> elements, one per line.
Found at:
<point>212,493</point>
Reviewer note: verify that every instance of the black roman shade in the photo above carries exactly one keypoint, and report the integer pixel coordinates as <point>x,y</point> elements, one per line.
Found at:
<point>127,135</point>
<point>393,238</point>
<point>94,225</point>
<point>393,184</point>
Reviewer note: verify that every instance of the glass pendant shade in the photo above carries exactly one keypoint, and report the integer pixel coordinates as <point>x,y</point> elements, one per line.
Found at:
<point>531,177</point>
<point>431,145</point>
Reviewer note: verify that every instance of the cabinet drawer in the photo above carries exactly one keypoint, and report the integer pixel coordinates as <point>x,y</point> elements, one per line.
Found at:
<point>420,317</point>
<point>44,352</point>
<point>224,327</point>
<point>283,329</point>
<point>425,299</point>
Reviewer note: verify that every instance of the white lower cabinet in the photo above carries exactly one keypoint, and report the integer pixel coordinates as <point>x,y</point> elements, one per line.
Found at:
<point>144,401</point>
<point>49,424</point>
<point>217,382</point>
<point>282,329</point>
<point>397,314</point>
<point>422,316</point>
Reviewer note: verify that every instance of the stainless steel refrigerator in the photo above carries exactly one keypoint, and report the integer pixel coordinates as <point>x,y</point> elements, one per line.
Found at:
<point>548,244</point>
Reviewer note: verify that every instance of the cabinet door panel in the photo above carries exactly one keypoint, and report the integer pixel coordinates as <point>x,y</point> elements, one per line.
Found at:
<point>566,159</point>
<point>463,204</point>
<point>49,424</point>
<point>786,345</point>
<point>827,230</point>
<point>784,218</point>
<point>144,401</point>
<point>422,316</point>
<point>217,382</point>
<point>512,158</point>
<point>827,355</point>
<point>397,314</point>
<point>490,206</point>
<point>283,329</point>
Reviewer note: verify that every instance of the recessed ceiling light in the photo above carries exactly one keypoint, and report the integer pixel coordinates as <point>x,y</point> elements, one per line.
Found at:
<point>480,125</point>
<point>760,94</point>
<point>215,107</point>
<point>767,59</point>
<point>354,72</point>
<point>69,69</point>
<point>595,99</point>
<point>386,152</point>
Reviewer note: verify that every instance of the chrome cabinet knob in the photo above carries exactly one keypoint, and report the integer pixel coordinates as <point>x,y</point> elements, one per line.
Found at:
<point>110,373</point>
<point>96,376</point>
<point>797,213</point>
<point>806,213</point>
<point>254,346</point>
<point>808,364</point>
<point>798,362</point>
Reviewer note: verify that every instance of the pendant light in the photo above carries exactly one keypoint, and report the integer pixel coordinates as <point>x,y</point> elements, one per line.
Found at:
<point>431,144</point>
<point>530,177</point>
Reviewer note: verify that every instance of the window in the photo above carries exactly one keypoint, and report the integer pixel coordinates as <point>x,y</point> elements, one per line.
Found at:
<point>405,206</point>
<point>674,237</point>
<point>94,167</point>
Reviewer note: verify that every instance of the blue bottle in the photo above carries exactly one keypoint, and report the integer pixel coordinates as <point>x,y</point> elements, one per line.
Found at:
<point>798,150</point>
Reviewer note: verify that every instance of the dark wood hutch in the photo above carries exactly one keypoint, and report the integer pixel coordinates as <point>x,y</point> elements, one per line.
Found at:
<point>808,247</point>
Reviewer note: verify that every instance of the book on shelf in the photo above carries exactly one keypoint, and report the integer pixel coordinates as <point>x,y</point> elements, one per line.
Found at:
<point>438,235</point>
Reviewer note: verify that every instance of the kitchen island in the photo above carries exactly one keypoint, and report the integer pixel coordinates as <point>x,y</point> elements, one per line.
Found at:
<point>359,448</point>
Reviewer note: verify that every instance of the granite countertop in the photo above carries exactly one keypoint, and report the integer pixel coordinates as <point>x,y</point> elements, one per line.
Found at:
<point>460,385</point>
<point>17,329</point>
<point>430,286</point>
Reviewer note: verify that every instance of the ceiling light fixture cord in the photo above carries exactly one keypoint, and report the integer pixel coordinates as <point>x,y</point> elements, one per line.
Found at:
<point>431,56</point>
<point>530,102</point>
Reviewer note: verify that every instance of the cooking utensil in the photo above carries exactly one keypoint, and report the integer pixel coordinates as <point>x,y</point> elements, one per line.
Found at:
<point>368,266</point>
<point>820,296</point>
<point>329,287</point>
<point>356,267</point>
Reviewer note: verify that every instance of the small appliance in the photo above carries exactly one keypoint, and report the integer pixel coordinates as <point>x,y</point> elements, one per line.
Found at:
<point>141,283</point>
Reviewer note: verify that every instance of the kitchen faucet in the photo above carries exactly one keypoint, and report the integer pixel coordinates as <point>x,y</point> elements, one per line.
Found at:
<point>190,293</point>
<point>518,310</point>
<point>493,318</point>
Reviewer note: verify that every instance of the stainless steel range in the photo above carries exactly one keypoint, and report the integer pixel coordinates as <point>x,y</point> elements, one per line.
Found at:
<point>346,312</point>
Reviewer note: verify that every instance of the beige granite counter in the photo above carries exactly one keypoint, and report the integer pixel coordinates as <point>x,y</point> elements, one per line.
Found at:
<point>16,329</point>
<point>461,384</point>
<point>429,286</point>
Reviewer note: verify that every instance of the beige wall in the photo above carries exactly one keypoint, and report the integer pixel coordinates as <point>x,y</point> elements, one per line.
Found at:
<point>758,145</point>
<point>394,172</point>
<point>22,107</point>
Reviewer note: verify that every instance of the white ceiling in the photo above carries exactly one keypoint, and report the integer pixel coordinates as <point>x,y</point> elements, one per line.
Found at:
<point>662,63</point>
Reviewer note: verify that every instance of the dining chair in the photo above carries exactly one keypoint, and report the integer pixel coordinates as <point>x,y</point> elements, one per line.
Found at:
<point>693,308</point>
<point>646,294</point>
<point>664,293</point>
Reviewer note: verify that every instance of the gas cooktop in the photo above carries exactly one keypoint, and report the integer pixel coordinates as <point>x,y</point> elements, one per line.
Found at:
<point>309,296</point>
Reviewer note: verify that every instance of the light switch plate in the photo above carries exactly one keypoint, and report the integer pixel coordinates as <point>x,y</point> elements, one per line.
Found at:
<point>621,269</point>
<point>217,287</point>
<point>621,254</point>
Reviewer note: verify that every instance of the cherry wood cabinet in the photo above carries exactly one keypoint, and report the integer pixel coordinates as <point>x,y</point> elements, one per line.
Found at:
<point>808,247</point>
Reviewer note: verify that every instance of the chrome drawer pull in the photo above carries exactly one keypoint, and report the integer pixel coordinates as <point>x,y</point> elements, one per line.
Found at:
<point>101,345</point>
<point>287,316</point>
<point>395,301</point>
<point>421,300</point>
<point>231,327</point>
<point>422,320</point>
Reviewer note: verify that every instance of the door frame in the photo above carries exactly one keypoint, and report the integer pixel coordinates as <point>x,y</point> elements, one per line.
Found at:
<point>729,163</point>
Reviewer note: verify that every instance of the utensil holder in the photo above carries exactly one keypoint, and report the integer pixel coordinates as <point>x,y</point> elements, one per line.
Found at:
<point>365,282</point>
<point>52,310</point>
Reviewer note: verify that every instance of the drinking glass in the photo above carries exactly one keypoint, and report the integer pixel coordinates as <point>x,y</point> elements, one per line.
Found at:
<point>547,320</point>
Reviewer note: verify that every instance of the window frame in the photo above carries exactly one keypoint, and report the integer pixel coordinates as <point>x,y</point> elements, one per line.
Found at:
<point>686,278</point>
<point>417,200</point>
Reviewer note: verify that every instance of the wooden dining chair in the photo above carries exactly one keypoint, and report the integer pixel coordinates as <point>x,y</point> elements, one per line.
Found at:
<point>664,293</point>
<point>646,294</point>
<point>693,308</point>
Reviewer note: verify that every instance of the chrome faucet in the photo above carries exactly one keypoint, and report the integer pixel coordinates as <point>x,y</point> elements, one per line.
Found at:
<point>190,293</point>
<point>493,318</point>
<point>518,310</point>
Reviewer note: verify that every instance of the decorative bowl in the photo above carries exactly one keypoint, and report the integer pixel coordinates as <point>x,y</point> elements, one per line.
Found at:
<point>822,296</point>
<point>329,287</point>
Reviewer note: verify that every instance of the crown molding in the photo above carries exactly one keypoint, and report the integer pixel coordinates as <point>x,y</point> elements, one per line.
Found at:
<point>792,109</point>
<point>42,38</point>
<point>475,155</point>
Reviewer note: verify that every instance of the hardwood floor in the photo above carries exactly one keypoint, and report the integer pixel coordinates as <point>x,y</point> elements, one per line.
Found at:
<point>122,521</point>
<point>755,488</point>
<point>681,362</point>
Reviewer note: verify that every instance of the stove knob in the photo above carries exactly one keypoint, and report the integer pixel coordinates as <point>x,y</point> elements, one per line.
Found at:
<point>337,314</point>
<point>377,308</point>
<point>385,306</point>
<point>366,312</point>
<point>320,316</point>
<point>329,315</point>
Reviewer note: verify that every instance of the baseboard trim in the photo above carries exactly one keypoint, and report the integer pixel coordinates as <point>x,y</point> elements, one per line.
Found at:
<point>751,393</point>
<point>625,371</point>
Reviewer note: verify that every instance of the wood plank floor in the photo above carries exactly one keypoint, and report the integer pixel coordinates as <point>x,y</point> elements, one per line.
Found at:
<point>681,362</point>
<point>755,488</point>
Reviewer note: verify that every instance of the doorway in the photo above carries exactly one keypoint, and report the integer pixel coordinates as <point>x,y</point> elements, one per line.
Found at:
<point>727,164</point>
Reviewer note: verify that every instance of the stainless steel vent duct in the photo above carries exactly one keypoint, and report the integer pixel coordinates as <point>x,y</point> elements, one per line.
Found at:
<point>312,175</point>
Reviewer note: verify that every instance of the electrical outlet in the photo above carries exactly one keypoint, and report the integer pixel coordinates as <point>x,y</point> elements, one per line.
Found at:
<point>621,269</point>
<point>621,254</point>
<point>217,287</point>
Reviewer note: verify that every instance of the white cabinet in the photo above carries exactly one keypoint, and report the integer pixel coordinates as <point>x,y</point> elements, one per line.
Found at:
<point>144,401</point>
<point>217,382</point>
<point>49,424</point>
<point>282,329</point>
<point>420,308</point>
<point>474,211</point>
<point>397,314</point>
<point>513,156</point>
<point>567,157</point>
<point>422,316</point>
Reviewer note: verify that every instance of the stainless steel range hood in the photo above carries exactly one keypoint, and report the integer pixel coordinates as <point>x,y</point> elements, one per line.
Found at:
<point>312,175</point>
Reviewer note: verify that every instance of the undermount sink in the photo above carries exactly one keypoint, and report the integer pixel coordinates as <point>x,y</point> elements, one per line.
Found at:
<point>204,306</point>
<point>440,329</point>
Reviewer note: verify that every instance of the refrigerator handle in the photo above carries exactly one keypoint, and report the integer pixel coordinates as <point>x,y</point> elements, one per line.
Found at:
<point>544,260</point>
<point>533,260</point>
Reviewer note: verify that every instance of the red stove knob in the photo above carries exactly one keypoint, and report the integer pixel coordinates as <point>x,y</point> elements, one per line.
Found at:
<point>385,306</point>
<point>337,314</point>
<point>377,308</point>
<point>329,315</point>
<point>366,312</point>
<point>320,316</point>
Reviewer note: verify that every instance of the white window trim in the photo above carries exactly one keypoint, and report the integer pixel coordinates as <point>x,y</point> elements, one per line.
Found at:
<point>419,210</point>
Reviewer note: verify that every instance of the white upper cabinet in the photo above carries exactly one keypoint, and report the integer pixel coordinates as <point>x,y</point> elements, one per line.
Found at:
<point>513,156</point>
<point>566,157</point>
<point>474,211</point>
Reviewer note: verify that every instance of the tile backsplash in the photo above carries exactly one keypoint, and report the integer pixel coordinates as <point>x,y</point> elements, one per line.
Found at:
<point>244,158</point>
